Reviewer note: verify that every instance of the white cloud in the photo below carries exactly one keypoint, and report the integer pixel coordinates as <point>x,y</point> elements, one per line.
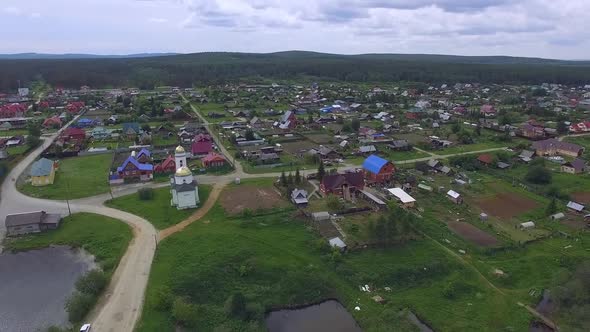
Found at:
<point>158,20</point>
<point>12,10</point>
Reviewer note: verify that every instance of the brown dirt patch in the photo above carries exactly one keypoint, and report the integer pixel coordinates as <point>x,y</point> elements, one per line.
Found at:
<point>472,234</point>
<point>236,199</point>
<point>506,205</point>
<point>581,197</point>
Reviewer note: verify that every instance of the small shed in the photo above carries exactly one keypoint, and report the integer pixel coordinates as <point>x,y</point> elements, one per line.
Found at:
<point>337,242</point>
<point>455,197</point>
<point>319,216</point>
<point>425,187</point>
<point>483,216</point>
<point>557,216</point>
<point>575,206</point>
<point>527,225</point>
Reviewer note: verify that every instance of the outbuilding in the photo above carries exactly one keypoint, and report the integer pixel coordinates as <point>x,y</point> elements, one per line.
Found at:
<point>455,197</point>
<point>337,242</point>
<point>575,206</point>
<point>527,225</point>
<point>402,196</point>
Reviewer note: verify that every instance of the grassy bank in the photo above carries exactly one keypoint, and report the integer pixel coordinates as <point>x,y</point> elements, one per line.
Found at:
<point>77,177</point>
<point>105,238</point>
<point>157,210</point>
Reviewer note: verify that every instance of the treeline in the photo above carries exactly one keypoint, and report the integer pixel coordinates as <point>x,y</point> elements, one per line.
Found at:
<point>213,68</point>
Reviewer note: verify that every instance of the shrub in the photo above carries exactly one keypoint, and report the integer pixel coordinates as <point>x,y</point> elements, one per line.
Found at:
<point>235,306</point>
<point>145,194</point>
<point>538,175</point>
<point>185,312</point>
<point>333,203</point>
<point>78,306</point>
<point>163,298</point>
<point>92,282</point>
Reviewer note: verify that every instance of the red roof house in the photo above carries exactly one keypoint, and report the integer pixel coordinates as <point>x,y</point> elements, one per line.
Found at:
<point>13,110</point>
<point>166,166</point>
<point>213,160</point>
<point>73,134</point>
<point>486,159</point>
<point>52,122</point>
<point>488,110</point>
<point>202,144</point>
<point>75,106</point>
<point>581,127</point>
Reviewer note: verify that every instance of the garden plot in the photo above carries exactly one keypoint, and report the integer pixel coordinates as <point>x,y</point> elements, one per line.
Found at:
<point>237,199</point>
<point>506,205</point>
<point>472,234</point>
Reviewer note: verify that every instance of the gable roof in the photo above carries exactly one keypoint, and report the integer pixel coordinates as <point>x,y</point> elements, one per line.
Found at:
<point>374,164</point>
<point>401,195</point>
<point>336,180</point>
<point>578,164</point>
<point>140,166</point>
<point>42,167</point>
<point>575,206</point>
<point>553,143</point>
<point>486,158</point>
<point>134,126</point>
<point>142,152</point>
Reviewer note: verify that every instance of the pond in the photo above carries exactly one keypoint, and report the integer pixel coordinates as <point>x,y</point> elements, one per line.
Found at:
<point>328,316</point>
<point>35,284</point>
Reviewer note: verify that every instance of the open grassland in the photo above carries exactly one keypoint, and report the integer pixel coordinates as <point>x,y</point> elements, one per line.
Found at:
<point>157,210</point>
<point>276,261</point>
<point>76,177</point>
<point>105,238</point>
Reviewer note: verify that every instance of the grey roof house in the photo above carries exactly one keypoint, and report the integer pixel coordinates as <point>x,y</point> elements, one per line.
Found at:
<point>31,222</point>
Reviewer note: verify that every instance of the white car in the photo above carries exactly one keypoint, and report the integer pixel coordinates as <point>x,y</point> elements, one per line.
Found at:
<point>85,328</point>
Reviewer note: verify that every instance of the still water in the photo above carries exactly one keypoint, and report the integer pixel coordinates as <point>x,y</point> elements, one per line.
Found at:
<point>35,284</point>
<point>328,316</point>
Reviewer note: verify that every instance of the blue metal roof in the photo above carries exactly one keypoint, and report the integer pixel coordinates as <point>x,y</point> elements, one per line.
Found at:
<point>374,164</point>
<point>41,167</point>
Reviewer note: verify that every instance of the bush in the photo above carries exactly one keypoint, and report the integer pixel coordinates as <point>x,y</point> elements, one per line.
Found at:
<point>235,306</point>
<point>163,298</point>
<point>538,175</point>
<point>78,306</point>
<point>333,203</point>
<point>92,282</point>
<point>146,194</point>
<point>185,312</point>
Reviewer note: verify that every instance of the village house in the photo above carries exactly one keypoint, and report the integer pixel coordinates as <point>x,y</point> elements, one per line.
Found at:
<point>31,222</point>
<point>581,127</point>
<point>288,120</point>
<point>488,110</point>
<point>132,169</point>
<point>576,166</point>
<point>131,130</point>
<point>532,130</point>
<point>344,185</point>
<point>14,110</point>
<point>299,197</point>
<point>574,206</point>
<point>73,134</point>
<point>552,147</point>
<point>167,166</point>
<point>486,159</point>
<point>325,153</point>
<point>43,172</point>
<point>213,160</point>
<point>52,122</point>
<point>202,144</point>
<point>100,133</point>
<point>377,169</point>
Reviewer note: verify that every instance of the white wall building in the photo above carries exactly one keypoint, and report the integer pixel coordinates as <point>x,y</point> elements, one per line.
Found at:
<point>183,187</point>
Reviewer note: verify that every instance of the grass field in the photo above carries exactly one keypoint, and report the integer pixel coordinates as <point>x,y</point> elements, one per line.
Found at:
<point>580,140</point>
<point>276,261</point>
<point>77,177</point>
<point>105,238</point>
<point>16,150</point>
<point>157,210</point>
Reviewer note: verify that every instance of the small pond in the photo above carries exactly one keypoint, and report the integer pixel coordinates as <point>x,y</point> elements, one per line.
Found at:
<point>35,284</point>
<point>328,316</point>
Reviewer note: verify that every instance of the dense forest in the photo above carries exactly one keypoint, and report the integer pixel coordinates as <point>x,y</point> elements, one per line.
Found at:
<point>211,68</point>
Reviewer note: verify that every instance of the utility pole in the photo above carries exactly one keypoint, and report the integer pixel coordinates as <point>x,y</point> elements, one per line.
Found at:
<point>68,196</point>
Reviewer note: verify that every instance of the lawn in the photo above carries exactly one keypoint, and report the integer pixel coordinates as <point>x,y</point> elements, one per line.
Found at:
<point>105,238</point>
<point>76,177</point>
<point>16,150</point>
<point>157,210</point>
<point>580,140</point>
<point>275,261</point>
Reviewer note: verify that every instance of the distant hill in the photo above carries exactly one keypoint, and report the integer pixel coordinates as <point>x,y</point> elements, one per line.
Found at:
<point>39,56</point>
<point>148,70</point>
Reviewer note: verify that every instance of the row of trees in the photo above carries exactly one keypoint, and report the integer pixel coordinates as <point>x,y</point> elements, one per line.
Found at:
<point>184,70</point>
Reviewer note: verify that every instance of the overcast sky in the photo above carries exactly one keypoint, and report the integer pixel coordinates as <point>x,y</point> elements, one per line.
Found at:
<point>537,28</point>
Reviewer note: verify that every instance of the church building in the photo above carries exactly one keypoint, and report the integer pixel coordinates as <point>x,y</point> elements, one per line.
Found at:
<point>183,187</point>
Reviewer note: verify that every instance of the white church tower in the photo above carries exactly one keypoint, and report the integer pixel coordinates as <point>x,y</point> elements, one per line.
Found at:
<point>183,187</point>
